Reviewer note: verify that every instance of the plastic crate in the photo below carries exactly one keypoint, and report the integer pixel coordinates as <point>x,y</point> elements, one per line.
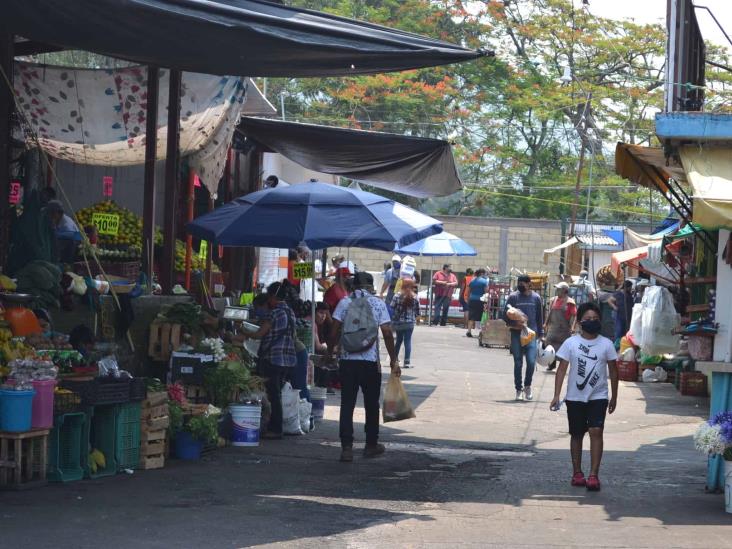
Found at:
<point>101,433</point>
<point>100,391</point>
<point>693,384</point>
<point>66,403</point>
<point>138,389</point>
<point>627,371</point>
<point>65,448</point>
<point>127,439</point>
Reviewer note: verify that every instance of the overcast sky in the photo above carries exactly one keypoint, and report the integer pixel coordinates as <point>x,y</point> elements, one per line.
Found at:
<point>654,11</point>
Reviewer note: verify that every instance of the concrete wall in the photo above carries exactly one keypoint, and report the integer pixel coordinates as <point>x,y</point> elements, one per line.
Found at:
<point>723,340</point>
<point>503,244</point>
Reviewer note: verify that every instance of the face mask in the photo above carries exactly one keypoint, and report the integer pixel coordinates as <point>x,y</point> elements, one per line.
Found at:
<point>396,265</point>
<point>522,288</point>
<point>592,327</point>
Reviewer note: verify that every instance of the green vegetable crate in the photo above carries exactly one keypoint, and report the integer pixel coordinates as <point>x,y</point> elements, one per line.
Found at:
<point>127,428</point>
<point>66,446</point>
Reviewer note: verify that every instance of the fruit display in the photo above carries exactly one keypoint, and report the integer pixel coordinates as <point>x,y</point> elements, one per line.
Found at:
<point>96,461</point>
<point>43,343</point>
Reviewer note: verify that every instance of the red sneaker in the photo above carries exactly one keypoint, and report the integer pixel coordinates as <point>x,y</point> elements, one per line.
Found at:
<point>578,479</point>
<point>593,483</point>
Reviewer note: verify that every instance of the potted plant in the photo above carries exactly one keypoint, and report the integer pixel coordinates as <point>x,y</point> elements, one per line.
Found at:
<point>714,437</point>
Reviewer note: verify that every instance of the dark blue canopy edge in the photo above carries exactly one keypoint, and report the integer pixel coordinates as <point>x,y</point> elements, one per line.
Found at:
<point>415,166</point>
<point>235,37</point>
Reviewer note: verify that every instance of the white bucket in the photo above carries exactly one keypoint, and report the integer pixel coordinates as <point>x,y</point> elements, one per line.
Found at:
<point>728,486</point>
<point>245,419</point>
<point>318,396</point>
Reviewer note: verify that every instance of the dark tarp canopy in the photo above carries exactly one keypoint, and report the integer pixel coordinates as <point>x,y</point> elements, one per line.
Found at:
<point>236,37</point>
<point>416,166</point>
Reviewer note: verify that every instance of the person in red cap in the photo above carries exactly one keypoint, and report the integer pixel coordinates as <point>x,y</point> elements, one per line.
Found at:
<point>340,287</point>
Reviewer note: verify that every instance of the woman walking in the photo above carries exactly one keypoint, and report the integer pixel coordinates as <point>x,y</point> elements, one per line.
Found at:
<point>560,320</point>
<point>406,310</point>
<point>465,294</point>
<point>478,287</point>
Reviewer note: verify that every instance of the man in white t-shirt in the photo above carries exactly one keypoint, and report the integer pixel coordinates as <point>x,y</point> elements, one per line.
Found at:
<point>362,369</point>
<point>591,358</point>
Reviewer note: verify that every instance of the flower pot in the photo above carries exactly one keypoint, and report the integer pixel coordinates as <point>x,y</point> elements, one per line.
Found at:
<point>186,447</point>
<point>728,486</point>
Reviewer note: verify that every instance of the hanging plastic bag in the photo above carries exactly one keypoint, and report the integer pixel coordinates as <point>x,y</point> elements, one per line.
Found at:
<point>290,410</point>
<point>396,402</point>
<point>527,336</point>
<point>306,410</point>
<point>660,320</point>
<point>636,322</point>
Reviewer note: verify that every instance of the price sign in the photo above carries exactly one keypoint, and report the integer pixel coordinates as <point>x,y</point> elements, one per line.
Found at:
<point>107,185</point>
<point>106,223</point>
<point>302,270</point>
<point>14,196</point>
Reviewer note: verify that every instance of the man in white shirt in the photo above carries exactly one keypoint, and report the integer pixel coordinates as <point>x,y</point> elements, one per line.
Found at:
<point>590,358</point>
<point>362,369</point>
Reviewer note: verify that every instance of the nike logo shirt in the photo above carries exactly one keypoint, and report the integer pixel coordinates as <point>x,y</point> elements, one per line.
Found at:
<point>588,360</point>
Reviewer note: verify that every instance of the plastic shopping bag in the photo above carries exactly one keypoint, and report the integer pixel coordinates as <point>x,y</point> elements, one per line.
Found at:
<point>636,322</point>
<point>306,410</point>
<point>290,410</point>
<point>660,320</point>
<point>396,402</point>
<point>527,336</point>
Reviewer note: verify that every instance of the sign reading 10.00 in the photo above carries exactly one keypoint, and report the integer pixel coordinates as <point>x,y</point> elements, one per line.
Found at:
<point>106,223</point>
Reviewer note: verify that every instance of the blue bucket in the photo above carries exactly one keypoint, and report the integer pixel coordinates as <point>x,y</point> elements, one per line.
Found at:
<point>186,447</point>
<point>16,410</point>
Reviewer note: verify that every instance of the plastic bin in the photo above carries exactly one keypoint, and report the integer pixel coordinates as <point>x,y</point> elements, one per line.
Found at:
<point>16,410</point>
<point>100,433</point>
<point>42,417</point>
<point>65,448</point>
<point>693,384</point>
<point>127,439</point>
<point>186,448</point>
<point>100,391</point>
<point>138,389</point>
<point>627,371</point>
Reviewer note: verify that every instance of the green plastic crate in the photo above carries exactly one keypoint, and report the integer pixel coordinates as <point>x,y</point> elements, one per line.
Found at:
<point>101,434</point>
<point>127,426</point>
<point>65,448</point>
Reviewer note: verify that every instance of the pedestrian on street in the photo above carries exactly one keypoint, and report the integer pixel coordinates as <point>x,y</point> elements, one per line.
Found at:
<point>391,277</point>
<point>590,358</point>
<point>529,303</point>
<point>478,287</point>
<point>359,318</point>
<point>340,287</point>
<point>561,319</point>
<point>465,296</point>
<point>443,284</point>
<point>405,307</point>
<point>276,358</point>
<point>623,311</point>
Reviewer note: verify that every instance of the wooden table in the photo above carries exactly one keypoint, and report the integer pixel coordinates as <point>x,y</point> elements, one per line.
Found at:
<point>18,463</point>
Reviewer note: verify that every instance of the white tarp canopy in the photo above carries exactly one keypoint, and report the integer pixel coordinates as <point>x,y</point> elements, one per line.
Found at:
<point>98,116</point>
<point>709,170</point>
<point>571,242</point>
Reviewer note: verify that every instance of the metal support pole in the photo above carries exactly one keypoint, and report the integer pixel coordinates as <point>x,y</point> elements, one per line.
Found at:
<point>167,268</point>
<point>151,146</point>
<point>6,110</point>
<point>190,198</point>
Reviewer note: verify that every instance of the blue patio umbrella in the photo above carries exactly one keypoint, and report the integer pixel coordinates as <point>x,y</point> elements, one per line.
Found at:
<point>442,244</point>
<point>316,214</point>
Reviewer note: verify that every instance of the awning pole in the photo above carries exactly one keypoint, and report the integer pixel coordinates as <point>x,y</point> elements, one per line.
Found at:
<point>190,196</point>
<point>167,268</point>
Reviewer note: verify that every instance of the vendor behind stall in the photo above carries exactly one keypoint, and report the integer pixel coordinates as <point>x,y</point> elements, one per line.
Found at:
<point>66,232</point>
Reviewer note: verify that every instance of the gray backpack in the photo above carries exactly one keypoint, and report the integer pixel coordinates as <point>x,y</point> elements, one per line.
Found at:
<point>360,330</point>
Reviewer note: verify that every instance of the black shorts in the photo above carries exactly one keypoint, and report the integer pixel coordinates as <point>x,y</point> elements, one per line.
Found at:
<point>475,310</point>
<point>585,415</point>
<point>464,305</point>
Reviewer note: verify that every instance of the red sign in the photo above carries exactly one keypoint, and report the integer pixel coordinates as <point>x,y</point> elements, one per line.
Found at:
<point>107,185</point>
<point>14,196</point>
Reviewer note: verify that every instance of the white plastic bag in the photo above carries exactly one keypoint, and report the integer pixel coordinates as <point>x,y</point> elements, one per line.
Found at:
<point>653,376</point>
<point>306,410</point>
<point>660,320</point>
<point>628,355</point>
<point>636,323</point>
<point>290,410</point>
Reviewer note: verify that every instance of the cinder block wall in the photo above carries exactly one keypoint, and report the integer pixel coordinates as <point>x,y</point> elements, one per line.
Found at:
<point>501,243</point>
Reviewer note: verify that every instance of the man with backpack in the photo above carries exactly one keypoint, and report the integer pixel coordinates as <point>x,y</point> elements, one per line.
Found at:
<point>356,324</point>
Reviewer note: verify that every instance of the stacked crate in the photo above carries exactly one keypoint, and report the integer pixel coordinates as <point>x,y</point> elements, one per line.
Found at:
<point>153,430</point>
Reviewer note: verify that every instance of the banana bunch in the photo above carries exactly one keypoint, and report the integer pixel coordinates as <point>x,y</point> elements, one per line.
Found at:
<point>12,349</point>
<point>7,284</point>
<point>96,461</point>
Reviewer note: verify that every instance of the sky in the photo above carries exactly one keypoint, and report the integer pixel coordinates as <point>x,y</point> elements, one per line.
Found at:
<point>654,11</point>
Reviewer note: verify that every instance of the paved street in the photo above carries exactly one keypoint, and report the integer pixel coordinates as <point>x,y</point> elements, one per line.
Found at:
<point>474,468</point>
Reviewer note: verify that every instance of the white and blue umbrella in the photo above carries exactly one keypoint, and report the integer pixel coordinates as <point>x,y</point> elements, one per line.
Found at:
<point>443,244</point>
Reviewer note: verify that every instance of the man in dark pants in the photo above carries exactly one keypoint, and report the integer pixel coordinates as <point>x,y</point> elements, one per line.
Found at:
<point>362,369</point>
<point>443,285</point>
<point>276,356</point>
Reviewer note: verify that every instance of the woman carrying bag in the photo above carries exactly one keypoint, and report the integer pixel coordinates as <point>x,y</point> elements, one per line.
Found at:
<point>560,319</point>
<point>406,310</point>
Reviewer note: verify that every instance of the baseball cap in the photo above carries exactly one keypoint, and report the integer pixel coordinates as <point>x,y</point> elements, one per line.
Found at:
<point>363,279</point>
<point>562,286</point>
<point>396,257</point>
